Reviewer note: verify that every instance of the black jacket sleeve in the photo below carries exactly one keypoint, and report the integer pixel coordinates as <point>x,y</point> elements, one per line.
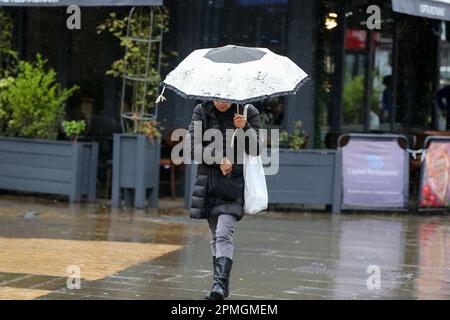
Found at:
<point>194,139</point>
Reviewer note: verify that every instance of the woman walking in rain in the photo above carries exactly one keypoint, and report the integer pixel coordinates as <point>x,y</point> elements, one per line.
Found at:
<point>235,74</point>
<point>218,194</point>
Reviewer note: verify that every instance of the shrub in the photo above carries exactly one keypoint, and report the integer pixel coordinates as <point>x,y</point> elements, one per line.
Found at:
<point>353,100</point>
<point>74,128</point>
<point>8,56</point>
<point>32,103</point>
<point>294,140</point>
<point>5,111</point>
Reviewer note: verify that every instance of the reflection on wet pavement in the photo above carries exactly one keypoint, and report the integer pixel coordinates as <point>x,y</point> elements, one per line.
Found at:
<point>161,254</point>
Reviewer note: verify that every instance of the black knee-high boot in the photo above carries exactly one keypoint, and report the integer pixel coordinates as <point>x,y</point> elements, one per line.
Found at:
<point>222,270</point>
<point>227,285</point>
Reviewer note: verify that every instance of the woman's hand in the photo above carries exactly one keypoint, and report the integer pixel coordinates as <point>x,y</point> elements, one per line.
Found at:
<point>226,166</point>
<point>239,121</point>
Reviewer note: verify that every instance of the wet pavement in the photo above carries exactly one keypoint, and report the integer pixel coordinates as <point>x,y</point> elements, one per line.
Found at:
<point>162,254</point>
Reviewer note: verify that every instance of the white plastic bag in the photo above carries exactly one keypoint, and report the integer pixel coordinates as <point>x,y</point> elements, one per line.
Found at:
<point>255,189</point>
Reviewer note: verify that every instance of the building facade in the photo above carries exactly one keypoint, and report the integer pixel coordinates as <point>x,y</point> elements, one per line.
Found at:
<point>365,77</point>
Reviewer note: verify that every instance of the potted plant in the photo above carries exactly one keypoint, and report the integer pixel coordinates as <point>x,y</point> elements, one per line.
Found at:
<point>31,110</point>
<point>8,56</point>
<point>73,129</point>
<point>136,151</point>
<point>305,176</point>
<point>296,140</point>
<point>353,99</point>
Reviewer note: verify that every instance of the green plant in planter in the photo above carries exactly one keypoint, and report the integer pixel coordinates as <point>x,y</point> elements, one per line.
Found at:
<point>33,102</point>
<point>137,57</point>
<point>4,108</point>
<point>353,99</point>
<point>150,129</point>
<point>74,128</point>
<point>294,140</point>
<point>8,56</point>
<point>8,65</point>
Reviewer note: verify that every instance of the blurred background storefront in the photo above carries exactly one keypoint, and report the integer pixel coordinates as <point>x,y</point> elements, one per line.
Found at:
<point>387,84</point>
<point>384,79</point>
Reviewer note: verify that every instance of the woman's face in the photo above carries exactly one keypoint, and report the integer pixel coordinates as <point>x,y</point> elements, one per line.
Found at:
<point>222,105</point>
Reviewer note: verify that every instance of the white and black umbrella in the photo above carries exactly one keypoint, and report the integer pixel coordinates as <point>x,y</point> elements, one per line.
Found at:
<point>235,74</point>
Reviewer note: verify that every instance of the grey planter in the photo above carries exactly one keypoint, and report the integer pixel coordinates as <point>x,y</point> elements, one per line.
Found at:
<point>135,170</point>
<point>306,177</point>
<point>46,166</point>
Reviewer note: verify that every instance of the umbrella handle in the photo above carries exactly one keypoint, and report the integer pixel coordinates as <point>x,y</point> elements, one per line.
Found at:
<point>237,107</point>
<point>235,130</point>
<point>161,97</point>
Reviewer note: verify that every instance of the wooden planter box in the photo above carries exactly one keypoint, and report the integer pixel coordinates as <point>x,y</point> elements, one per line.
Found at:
<point>135,170</point>
<point>306,177</point>
<point>46,166</point>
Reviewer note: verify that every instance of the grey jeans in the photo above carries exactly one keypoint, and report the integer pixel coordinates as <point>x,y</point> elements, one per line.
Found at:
<point>221,230</point>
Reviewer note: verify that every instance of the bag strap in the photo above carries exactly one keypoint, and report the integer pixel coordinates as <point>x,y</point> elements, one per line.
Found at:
<point>235,130</point>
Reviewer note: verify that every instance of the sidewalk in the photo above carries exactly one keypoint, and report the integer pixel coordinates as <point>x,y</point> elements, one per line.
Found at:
<point>162,254</point>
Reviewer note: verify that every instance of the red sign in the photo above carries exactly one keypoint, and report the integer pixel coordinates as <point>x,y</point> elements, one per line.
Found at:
<point>356,39</point>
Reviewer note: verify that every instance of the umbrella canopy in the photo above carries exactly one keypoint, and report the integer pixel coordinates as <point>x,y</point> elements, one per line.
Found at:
<point>235,74</point>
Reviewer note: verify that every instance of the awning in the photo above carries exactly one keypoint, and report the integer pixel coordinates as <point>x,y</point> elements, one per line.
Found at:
<point>435,9</point>
<point>81,3</point>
